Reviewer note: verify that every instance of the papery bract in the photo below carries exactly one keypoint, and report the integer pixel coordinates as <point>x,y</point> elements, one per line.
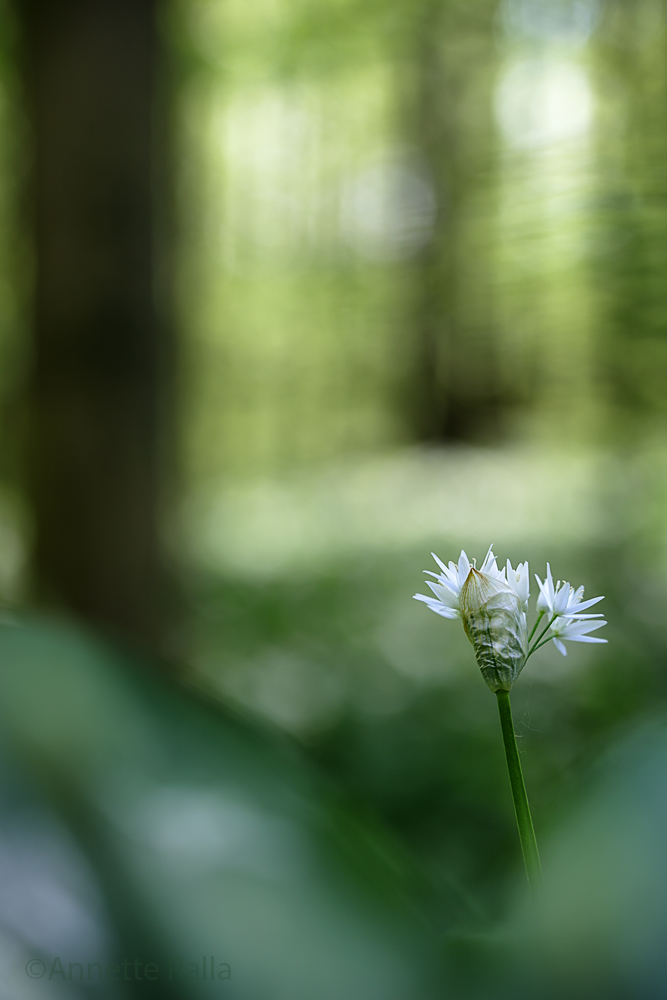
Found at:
<point>496,626</point>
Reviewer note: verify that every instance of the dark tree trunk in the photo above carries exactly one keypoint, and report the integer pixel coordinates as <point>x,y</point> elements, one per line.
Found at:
<point>100,360</point>
<point>456,394</point>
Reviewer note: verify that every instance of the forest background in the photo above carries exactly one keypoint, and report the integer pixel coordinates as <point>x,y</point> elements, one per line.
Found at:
<point>410,272</point>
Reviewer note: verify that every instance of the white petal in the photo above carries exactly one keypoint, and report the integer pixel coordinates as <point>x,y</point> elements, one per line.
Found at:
<point>424,597</point>
<point>444,594</point>
<point>543,600</point>
<point>588,604</point>
<point>489,565</point>
<point>439,562</point>
<point>463,568</point>
<point>437,606</point>
<point>549,581</point>
<point>562,598</point>
<point>569,628</point>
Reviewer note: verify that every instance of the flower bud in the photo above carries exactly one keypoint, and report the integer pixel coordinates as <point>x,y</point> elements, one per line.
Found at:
<point>496,626</point>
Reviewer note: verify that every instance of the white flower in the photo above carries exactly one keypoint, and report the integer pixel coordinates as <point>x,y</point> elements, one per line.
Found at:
<point>519,581</point>
<point>562,599</point>
<point>575,630</point>
<point>449,581</point>
<point>493,602</point>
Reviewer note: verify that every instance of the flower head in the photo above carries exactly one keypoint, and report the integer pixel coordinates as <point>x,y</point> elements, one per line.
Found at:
<point>493,602</point>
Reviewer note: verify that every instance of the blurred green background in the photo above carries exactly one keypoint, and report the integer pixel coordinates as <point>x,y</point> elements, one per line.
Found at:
<point>410,262</point>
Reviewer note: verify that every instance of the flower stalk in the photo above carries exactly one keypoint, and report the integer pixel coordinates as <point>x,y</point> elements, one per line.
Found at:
<point>524,820</point>
<point>492,605</point>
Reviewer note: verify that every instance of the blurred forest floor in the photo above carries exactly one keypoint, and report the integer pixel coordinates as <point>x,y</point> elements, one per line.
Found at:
<point>301,611</point>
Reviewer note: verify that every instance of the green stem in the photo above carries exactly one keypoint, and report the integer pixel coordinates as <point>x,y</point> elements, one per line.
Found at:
<point>524,820</point>
<point>540,644</point>
<point>537,642</point>
<point>539,619</point>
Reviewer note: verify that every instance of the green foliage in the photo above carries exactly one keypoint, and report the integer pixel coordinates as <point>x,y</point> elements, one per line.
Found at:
<point>166,827</point>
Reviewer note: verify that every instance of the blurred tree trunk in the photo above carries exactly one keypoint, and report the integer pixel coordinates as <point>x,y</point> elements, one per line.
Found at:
<point>630,47</point>
<point>100,357</point>
<point>455,395</point>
